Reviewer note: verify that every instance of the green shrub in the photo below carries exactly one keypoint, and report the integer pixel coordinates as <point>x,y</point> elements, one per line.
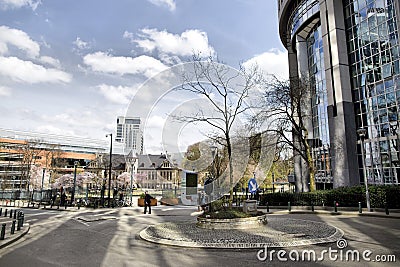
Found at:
<point>228,214</point>
<point>217,205</point>
<point>345,196</point>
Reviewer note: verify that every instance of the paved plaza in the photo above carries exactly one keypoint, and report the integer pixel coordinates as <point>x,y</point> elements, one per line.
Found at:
<point>278,232</point>
<point>169,237</point>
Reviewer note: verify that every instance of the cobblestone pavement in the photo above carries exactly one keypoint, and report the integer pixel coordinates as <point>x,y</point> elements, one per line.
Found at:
<point>278,232</point>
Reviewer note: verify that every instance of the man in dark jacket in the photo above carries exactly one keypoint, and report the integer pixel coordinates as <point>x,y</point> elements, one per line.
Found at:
<point>147,201</point>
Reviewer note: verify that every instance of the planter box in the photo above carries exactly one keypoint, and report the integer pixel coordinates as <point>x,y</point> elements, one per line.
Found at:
<point>169,201</point>
<point>153,202</point>
<point>238,223</point>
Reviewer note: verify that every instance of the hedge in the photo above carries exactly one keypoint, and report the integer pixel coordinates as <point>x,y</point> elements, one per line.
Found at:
<point>345,196</point>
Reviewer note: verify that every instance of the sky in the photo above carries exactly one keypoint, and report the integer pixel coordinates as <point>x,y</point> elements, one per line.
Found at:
<point>71,67</point>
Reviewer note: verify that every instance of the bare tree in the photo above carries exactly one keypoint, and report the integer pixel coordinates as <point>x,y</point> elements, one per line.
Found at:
<point>227,93</point>
<point>30,152</point>
<point>285,113</point>
<point>52,156</point>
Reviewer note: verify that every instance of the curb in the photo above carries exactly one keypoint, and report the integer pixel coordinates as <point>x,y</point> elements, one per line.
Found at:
<point>15,237</point>
<point>147,235</point>
<point>334,213</point>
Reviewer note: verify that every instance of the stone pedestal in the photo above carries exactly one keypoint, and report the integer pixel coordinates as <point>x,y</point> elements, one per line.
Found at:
<point>250,206</point>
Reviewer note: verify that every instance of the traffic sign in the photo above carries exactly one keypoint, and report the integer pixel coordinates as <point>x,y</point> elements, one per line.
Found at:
<point>252,186</point>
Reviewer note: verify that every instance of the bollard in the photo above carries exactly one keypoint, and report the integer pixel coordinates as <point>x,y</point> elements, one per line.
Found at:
<point>19,224</point>
<point>359,207</point>
<point>267,207</point>
<point>335,204</point>
<point>312,206</point>
<point>5,213</point>
<point>289,207</point>
<point>1,211</point>
<point>3,231</point>
<point>386,208</point>
<point>13,227</point>
<point>11,211</point>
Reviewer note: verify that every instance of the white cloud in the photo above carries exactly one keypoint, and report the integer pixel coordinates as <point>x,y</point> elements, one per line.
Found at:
<point>170,4</point>
<point>11,4</point>
<point>5,91</point>
<point>272,62</point>
<point>51,129</point>
<point>155,121</point>
<point>28,72</point>
<point>117,94</point>
<point>80,44</point>
<point>189,42</point>
<point>50,61</point>
<point>103,62</point>
<point>18,39</point>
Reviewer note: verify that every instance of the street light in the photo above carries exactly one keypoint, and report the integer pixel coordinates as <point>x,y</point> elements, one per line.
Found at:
<point>41,188</point>
<point>132,161</point>
<point>362,133</point>
<point>109,170</point>
<point>50,179</point>
<point>73,189</point>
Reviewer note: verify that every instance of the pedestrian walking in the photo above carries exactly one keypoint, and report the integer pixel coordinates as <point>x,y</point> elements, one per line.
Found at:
<point>147,202</point>
<point>63,198</point>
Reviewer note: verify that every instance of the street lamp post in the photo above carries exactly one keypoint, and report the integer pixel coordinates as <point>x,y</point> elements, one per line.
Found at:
<point>109,171</point>
<point>41,188</point>
<point>362,133</point>
<point>50,179</point>
<point>133,160</point>
<point>73,189</point>
<point>273,182</point>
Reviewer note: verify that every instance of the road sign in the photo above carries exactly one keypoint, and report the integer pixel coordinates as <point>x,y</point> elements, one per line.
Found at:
<point>253,186</point>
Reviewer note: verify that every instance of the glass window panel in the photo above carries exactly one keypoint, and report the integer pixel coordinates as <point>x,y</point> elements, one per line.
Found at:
<point>362,3</point>
<point>396,68</point>
<point>387,71</point>
<point>391,99</point>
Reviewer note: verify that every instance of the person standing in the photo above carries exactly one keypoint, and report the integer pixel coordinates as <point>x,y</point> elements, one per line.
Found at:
<point>63,199</point>
<point>147,202</point>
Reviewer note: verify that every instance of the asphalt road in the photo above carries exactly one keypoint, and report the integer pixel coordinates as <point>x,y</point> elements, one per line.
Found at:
<point>109,237</point>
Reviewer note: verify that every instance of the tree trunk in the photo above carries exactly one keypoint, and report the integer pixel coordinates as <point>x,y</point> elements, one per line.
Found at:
<point>310,164</point>
<point>228,143</point>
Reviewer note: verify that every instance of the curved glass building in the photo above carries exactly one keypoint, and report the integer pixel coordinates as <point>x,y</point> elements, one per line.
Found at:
<point>348,50</point>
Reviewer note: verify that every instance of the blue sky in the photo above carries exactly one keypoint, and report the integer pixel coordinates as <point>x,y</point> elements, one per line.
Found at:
<point>72,67</point>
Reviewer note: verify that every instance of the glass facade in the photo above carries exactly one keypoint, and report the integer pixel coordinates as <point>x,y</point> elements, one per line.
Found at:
<point>373,46</point>
<point>305,10</point>
<point>319,104</point>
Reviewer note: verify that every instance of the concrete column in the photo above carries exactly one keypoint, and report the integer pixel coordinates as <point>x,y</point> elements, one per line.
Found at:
<point>397,8</point>
<point>300,166</point>
<point>342,127</point>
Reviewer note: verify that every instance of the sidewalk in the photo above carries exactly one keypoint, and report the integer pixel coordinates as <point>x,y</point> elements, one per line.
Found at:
<point>296,210</point>
<point>8,221</point>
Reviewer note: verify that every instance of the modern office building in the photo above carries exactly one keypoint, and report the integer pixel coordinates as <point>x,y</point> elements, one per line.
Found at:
<point>28,155</point>
<point>129,133</point>
<point>349,51</point>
